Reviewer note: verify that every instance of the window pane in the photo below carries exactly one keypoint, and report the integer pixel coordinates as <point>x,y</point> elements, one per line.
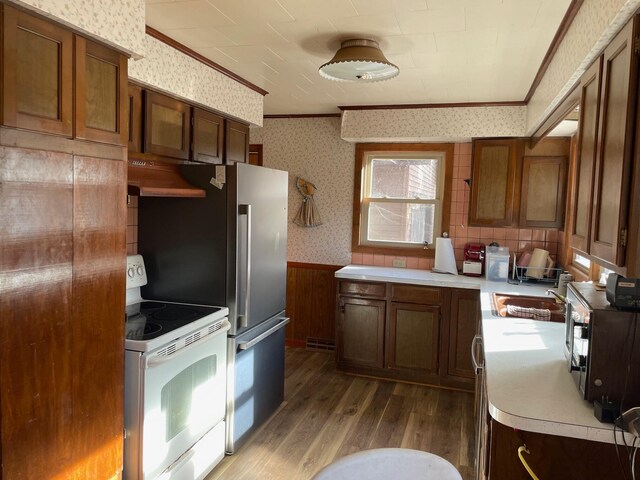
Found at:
<point>401,222</point>
<point>582,261</point>
<point>404,178</point>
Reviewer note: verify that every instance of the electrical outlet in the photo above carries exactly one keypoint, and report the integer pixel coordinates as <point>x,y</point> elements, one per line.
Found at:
<point>399,262</point>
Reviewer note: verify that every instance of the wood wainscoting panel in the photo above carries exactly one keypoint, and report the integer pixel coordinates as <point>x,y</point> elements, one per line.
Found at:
<point>311,302</point>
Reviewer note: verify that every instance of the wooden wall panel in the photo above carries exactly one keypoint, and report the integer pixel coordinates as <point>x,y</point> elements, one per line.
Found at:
<point>311,302</point>
<point>36,212</point>
<point>98,327</point>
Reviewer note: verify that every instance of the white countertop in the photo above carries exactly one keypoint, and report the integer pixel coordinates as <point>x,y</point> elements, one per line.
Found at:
<point>528,384</point>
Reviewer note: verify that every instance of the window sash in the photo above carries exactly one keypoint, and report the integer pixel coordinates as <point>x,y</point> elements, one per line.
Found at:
<point>367,199</point>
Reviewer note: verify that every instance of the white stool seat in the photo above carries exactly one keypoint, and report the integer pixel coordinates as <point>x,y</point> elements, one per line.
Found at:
<point>390,464</point>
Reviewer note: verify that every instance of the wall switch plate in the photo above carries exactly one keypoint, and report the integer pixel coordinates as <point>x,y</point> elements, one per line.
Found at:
<point>399,262</point>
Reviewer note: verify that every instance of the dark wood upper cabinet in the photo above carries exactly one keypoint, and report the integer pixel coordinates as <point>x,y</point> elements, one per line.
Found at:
<point>37,74</point>
<point>495,182</point>
<point>134,118</point>
<point>543,192</point>
<point>237,142</point>
<point>167,126</point>
<point>614,154</point>
<point>101,93</point>
<point>586,157</point>
<point>208,136</point>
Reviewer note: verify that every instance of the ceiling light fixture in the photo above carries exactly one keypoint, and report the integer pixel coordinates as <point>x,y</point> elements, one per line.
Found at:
<point>359,60</point>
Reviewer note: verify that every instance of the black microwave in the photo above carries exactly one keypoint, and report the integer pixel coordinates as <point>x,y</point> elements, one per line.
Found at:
<point>600,343</point>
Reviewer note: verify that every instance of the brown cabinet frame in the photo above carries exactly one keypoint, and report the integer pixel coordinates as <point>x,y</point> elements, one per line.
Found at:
<point>560,191</point>
<point>151,97</point>
<point>200,115</point>
<point>135,118</point>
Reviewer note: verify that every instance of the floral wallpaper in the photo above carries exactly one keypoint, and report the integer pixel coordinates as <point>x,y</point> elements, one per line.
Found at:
<point>120,23</point>
<point>432,124</point>
<point>592,29</point>
<point>311,148</point>
<point>168,69</point>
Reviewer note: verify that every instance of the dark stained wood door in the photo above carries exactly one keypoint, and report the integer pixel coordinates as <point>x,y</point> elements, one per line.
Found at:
<point>613,162</point>
<point>543,192</point>
<point>236,142</point>
<point>208,136</point>
<point>134,118</point>
<point>495,182</point>
<point>413,338</point>
<point>101,93</point>
<point>465,310</point>
<point>37,74</point>
<point>586,157</point>
<point>167,126</point>
<point>360,335</point>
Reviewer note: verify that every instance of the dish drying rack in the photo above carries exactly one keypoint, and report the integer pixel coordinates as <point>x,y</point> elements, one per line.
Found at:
<point>549,275</point>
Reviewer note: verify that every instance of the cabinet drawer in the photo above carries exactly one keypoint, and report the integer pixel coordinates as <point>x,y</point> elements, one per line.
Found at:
<point>364,289</point>
<point>414,294</point>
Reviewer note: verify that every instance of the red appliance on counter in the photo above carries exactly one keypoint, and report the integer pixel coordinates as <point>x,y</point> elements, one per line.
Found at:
<point>473,265</point>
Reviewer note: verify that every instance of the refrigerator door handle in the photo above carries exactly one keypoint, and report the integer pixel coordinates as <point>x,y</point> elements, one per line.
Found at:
<point>262,336</point>
<point>243,315</point>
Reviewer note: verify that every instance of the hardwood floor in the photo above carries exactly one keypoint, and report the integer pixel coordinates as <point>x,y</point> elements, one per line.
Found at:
<point>327,415</point>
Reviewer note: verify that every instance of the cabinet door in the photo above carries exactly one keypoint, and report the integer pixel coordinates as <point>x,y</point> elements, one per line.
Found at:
<point>493,186</point>
<point>236,142</point>
<point>167,126</point>
<point>361,331</point>
<point>134,118</point>
<point>207,136</point>
<point>586,158</point>
<point>543,192</point>
<point>101,93</point>
<point>613,161</point>
<point>413,338</point>
<point>37,74</point>
<point>465,308</point>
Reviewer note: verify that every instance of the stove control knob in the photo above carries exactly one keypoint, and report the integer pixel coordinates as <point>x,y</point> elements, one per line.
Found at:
<point>131,272</point>
<point>139,270</point>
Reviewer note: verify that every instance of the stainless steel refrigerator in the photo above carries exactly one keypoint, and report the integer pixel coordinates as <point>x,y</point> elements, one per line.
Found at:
<point>228,248</point>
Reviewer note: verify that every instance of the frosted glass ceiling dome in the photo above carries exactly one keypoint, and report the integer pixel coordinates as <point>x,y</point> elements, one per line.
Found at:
<point>359,60</point>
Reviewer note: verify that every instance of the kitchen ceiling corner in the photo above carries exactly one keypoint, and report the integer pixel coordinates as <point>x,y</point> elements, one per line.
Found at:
<point>448,51</point>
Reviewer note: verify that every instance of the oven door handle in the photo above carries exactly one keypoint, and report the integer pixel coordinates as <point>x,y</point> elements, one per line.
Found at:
<point>262,336</point>
<point>159,360</point>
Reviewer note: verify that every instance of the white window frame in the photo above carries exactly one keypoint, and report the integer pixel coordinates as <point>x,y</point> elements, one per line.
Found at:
<point>366,199</point>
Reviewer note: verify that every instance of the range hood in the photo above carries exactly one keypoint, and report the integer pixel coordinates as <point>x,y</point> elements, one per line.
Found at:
<point>152,179</point>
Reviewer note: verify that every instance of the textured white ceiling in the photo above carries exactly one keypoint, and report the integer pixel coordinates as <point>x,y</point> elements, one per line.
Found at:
<point>448,51</point>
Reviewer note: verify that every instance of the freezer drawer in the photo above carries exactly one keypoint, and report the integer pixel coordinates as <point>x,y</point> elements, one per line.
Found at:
<point>256,378</point>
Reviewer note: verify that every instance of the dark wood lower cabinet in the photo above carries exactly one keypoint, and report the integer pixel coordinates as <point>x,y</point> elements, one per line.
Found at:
<point>361,331</point>
<point>407,332</point>
<point>413,338</point>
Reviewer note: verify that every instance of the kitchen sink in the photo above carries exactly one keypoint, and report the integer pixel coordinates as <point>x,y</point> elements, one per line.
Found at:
<point>501,301</point>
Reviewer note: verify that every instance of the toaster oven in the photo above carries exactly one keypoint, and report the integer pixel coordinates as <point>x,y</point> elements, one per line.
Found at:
<point>600,341</point>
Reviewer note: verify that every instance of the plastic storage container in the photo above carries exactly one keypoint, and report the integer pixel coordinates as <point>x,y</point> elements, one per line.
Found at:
<point>497,263</point>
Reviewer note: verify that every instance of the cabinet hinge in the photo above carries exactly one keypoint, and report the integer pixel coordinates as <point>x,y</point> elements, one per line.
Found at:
<point>623,237</point>
<point>636,45</point>
<point>341,308</point>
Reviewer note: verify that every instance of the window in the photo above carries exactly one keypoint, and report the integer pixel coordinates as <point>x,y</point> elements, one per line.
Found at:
<point>582,262</point>
<point>400,197</point>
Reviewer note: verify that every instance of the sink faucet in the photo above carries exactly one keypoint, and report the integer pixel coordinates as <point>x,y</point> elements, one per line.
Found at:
<point>557,295</point>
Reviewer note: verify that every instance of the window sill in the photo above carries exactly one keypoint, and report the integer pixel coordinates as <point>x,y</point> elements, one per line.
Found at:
<point>398,251</point>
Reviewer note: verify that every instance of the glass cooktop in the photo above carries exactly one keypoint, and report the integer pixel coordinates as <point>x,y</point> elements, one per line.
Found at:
<point>150,319</point>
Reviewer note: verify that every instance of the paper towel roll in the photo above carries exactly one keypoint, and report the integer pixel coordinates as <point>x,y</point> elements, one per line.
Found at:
<point>445,261</point>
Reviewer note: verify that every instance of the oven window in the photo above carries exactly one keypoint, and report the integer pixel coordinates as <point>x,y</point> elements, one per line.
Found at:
<point>187,396</point>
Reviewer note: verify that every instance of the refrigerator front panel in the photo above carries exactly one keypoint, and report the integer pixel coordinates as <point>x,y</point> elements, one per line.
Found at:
<point>255,389</point>
<point>258,216</point>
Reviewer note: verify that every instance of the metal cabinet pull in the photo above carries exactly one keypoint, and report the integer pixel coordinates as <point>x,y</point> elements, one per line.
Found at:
<point>477,367</point>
